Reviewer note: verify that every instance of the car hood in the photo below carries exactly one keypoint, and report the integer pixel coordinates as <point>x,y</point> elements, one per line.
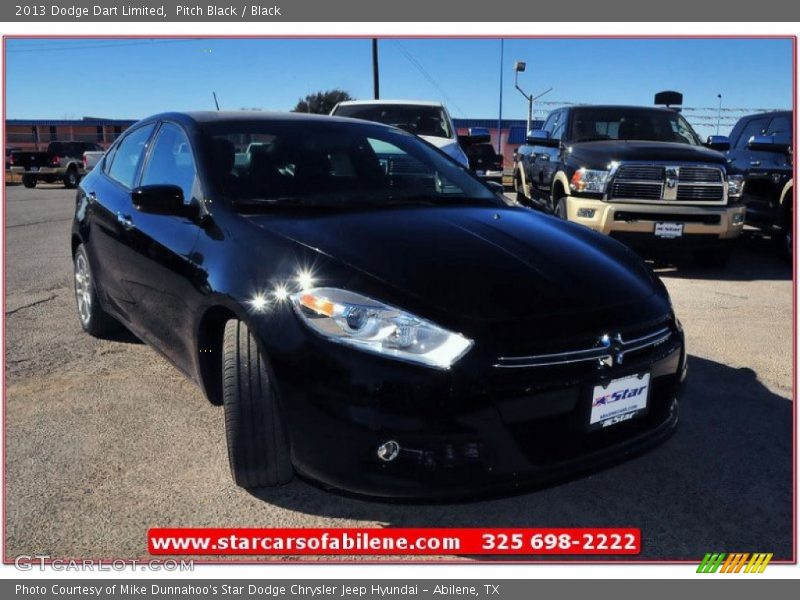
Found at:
<point>598,155</point>
<point>474,263</point>
<point>449,147</point>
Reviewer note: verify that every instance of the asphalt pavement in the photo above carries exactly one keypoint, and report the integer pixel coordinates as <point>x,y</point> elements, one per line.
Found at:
<point>105,439</point>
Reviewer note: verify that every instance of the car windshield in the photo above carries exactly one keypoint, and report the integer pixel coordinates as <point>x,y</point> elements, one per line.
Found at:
<point>337,164</point>
<point>596,124</point>
<point>419,120</point>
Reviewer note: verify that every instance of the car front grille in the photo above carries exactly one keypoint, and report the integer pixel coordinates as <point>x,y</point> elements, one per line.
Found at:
<point>605,351</point>
<point>669,183</point>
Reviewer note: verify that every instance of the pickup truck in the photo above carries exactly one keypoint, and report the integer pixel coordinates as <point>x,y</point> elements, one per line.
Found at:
<point>91,158</point>
<point>638,174</point>
<point>62,161</point>
<point>760,149</point>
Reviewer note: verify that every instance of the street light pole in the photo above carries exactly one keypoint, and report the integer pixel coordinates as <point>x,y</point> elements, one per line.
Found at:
<point>375,74</point>
<point>719,111</point>
<point>519,67</point>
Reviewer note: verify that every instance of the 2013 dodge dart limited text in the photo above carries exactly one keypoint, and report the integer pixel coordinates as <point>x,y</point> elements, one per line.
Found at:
<point>368,312</point>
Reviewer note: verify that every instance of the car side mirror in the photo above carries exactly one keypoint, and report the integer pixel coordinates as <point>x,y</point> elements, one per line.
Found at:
<point>718,142</point>
<point>160,199</point>
<point>540,137</point>
<point>766,143</point>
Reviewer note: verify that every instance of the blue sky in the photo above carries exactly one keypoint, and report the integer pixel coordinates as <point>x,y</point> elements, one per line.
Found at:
<point>132,78</point>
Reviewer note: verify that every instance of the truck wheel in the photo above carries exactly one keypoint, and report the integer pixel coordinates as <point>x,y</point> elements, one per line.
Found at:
<point>561,208</point>
<point>519,188</point>
<point>94,320</point>
<point>714,258</point>
<point>786,239</point>
<point>258,447</point>
<point>29,181</point>
<point>71,179</point>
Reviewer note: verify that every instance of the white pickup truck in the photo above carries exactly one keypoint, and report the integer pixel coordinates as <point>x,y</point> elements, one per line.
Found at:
<point>91,158</point>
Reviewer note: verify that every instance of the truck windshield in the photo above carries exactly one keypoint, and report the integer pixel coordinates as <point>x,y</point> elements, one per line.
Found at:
<point>334,164</point>
<point>419,120</point>
<point>596,124</point>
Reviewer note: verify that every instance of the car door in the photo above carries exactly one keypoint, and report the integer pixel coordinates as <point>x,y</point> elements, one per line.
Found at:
<point>107,196</point>
<point>157,269</point>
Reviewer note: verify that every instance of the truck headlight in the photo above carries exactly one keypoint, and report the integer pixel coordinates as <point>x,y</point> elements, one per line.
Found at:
<point>589,180</point>
<point>355,320</point>
<point>735,185</point>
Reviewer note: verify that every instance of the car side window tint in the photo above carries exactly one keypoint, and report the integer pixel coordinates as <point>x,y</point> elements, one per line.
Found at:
<point>129,154</point>
<point>780,128</point>
<point>753,127</point>
<point>558,129</point>
<point>550,123</point>
<point>171,161</point>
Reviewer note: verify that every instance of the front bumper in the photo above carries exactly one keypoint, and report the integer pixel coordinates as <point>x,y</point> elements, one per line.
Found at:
<point>626,218</point>
<point>463,432</point>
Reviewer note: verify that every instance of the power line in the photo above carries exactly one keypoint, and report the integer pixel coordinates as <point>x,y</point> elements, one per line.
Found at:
<point>98,46</point>
<point>433,82</point>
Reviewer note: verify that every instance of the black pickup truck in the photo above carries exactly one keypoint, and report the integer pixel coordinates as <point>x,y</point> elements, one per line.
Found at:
<point>760,149</point>
<point>639,174</point>
<point>62,161</point>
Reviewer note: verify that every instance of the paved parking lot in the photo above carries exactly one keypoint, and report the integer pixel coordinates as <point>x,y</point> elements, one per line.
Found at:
<point>105,439</point>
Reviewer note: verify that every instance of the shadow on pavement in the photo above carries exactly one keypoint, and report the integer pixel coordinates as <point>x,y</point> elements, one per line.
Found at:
<point>755,258</point>
<point>723,482</point>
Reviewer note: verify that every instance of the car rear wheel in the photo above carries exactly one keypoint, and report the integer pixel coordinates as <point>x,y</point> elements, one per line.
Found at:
<point>29,181</point>
<point>71,178</point>
<point>520,189</point>
<point>258,446</point>
<point>786,239</point>
<point>94,320</point>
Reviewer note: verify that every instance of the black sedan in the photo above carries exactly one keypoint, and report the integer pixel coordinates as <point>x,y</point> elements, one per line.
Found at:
<point>369,313</point>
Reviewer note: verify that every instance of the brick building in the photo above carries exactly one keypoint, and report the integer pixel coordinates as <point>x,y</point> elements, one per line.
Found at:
<point>35,134</point>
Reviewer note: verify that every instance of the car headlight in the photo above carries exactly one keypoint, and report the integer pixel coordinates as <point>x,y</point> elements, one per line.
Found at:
<point>735,185</point>
<point>589,180</point>
<point>355,320</point>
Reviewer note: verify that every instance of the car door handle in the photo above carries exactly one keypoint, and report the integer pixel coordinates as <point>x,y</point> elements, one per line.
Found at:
<point>545,157</point>
<point>755,163</point>
<point>125,221</point>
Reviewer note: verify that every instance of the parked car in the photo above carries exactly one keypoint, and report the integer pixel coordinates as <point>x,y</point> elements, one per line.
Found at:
<point>91,158</point>
<point>760,149</point>
<point>403,333</point>
<point>9,162</point>
<point>639,174</point>
<point>429,120</point>
<point>484,160</point>
<point>62,161</point>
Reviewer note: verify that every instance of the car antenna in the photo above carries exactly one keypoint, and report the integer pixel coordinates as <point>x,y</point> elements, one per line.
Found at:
<point>215,99</point>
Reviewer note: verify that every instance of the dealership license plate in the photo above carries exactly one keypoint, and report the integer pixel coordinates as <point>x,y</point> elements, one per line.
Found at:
<point>34,169</point>
<point>619,401</point>
<point>480,173</point>
<point>669,230</point>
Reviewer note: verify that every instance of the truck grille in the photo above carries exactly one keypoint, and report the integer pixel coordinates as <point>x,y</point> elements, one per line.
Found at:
<point>646,191</point>
<point>670,183</point>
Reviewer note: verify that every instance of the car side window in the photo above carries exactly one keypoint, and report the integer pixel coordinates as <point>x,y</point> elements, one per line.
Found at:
<point>753,127</point>
<point>171,161</point>
<point>560,124</point>
<point>550,123</point>
<point>780,129</point>
<point>129,154</point>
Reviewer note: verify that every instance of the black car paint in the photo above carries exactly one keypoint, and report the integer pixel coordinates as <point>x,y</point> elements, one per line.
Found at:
<point>542,163</point>
<point>765,173</point>
<point>512,280</point>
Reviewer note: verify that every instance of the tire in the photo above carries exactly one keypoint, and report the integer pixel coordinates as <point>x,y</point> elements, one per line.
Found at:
<point>560,210</point>
<point>258,446</point>
<point>71,179</point>
<point>29,181</point>
<point>715,258</point>
<point>93,319</point>
<point>520,190</point>
<point>786,239</point>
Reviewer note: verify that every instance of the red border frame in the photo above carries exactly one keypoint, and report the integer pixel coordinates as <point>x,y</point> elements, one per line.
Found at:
<point>417,560</point>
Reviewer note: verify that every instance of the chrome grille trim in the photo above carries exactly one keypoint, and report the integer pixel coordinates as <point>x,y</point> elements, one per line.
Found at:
<point>606,349</point>
<point>649,182</point>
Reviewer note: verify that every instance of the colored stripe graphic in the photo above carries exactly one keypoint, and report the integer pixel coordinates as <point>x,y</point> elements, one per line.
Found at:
<point>711,562</point>
<point>734,563</point>
<point>758,563</point>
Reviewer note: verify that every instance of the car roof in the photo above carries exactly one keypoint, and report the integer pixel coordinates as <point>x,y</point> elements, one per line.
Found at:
<point>212,116</point>
<point>771,113</point>
<point>624,106</point>
<point>407,102</point>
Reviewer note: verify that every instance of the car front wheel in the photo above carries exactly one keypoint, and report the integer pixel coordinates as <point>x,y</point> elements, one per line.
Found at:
<point>71,179</point>
<point>29,181</point>
<point>258,446</point>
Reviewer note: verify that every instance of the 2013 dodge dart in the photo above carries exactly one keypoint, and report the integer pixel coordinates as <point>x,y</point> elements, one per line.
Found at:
<point>370,314</point>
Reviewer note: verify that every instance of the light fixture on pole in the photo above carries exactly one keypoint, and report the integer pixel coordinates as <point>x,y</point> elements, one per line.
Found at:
<point>719,111</point>
<point>519,67</point>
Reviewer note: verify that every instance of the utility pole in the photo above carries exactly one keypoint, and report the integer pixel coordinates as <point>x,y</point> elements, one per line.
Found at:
<point>500,112</point>
<point>375,75</point>
<point>519,67</point>
<point>719,111</point>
